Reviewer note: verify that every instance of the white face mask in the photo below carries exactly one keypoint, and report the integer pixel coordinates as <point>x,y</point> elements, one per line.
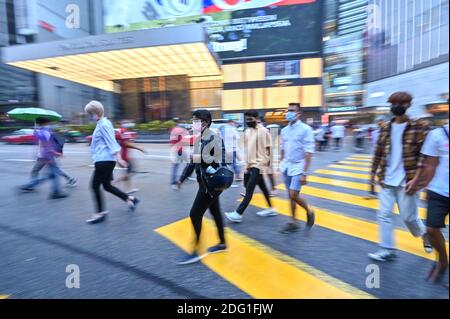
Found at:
<point>197,126</point>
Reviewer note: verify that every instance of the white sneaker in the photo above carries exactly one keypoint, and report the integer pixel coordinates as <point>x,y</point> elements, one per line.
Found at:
<point>267,212</point>
<point>382,255</point>
<point>175,187</point>
<point>234,217</point>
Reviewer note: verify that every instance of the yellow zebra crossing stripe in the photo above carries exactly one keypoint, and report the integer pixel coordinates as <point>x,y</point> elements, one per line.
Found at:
<point>351,168</point>
<point>351,226</point>
<point>4,296</point>
<point>361,156</point>
<point>345,184</point>
<point>349,199</point>
<point>258,270</point>
<point>355,163</point>
<point>366,160</point>
<point>342,174</point>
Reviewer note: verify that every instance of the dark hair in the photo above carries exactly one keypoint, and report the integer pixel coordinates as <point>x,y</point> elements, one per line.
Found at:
<point>296,104</point>
<point>42,120</point>
<point>252,114</point>
<point>400,98</point>
<point>203,115</point>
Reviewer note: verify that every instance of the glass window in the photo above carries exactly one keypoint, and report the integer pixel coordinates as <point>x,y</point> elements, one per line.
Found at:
<point>282,69</point>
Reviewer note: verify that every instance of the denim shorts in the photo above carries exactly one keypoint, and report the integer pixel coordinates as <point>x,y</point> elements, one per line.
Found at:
<point>292,182</point>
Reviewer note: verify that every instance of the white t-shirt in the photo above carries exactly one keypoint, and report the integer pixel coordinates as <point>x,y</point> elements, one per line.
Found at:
<point>395,171</point>
<point>338,131</point>
<point>436,145</point>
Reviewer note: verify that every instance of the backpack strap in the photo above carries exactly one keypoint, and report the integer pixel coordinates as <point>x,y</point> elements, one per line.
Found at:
<point>445,131</point>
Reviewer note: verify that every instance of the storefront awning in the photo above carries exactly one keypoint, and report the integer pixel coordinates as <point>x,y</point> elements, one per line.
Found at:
<point>99,60</point>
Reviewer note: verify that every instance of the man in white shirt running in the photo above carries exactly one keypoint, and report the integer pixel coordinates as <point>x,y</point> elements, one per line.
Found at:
<point>297,147</point>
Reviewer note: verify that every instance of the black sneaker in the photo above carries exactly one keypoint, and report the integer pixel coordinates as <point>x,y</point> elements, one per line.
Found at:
<point>310,218</point>
<point>190,259</point>
<point>133,204</point>
<point>57,196</point>
<point>217,249</point>
<point>290,228</point>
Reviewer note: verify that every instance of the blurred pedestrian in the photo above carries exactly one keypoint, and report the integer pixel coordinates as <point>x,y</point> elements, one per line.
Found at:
<point>208,155</point>
<point>257,149</point>
<point>105,153</point>
<point>435,176</point>
<point>321,138</point>
<point>297,147</point>
<point>397,160</point>
<point>338,134</point>
<point>177,151</point>
<point>125,143</point>
<point>46,157</point>
<point>230,136</point>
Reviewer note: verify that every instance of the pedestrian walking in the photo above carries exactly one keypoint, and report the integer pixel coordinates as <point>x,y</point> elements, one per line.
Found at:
<point>207,158</point>
<point>46,157</point>
<point>396,161</point>
<point>435,176</point>
<point>338,135</point>
<point>105,153</point>
<point>178,153</point>
<point>125,144</point>
<point>230,136</point>
<point>297,147</point>
<point>257,149</point>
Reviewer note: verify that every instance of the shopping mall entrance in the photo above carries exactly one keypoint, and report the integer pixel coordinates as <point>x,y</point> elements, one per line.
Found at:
<point>155,98</point>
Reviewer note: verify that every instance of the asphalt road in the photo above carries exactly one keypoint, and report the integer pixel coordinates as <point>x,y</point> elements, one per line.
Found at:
<point>134,254</point>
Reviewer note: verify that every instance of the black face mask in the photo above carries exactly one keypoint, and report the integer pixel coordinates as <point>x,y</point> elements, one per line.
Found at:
<point>251,124</point>
<point>398,110</point>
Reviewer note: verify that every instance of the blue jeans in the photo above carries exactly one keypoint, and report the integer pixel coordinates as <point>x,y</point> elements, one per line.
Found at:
<point>408,209</point>
<point>53,174</point>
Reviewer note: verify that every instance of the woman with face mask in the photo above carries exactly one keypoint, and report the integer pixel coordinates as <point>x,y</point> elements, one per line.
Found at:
<point>207,156</point>
<point>105,154</point>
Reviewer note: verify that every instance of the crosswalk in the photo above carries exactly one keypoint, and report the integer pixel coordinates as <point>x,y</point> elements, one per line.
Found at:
<point>263,272</point>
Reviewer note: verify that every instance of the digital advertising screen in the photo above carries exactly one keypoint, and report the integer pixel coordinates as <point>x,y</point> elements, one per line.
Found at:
<point>236,28</point>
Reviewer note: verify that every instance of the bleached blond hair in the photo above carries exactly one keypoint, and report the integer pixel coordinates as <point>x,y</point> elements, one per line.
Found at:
<point>95,107</point>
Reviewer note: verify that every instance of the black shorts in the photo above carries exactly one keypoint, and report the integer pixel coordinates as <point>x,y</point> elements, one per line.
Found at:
<point>437,210</point>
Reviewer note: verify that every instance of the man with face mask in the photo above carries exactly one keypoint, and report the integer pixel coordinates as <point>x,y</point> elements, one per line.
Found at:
<point>297,147</point>
<point>257,148</point>
<point>397,160</point>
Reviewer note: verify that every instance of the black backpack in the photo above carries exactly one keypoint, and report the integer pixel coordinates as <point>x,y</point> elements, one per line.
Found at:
<point>58,142</point>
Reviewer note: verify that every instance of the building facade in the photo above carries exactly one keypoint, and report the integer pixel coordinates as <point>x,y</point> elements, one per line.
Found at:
<point>264,64</point>
<point>344,67</point>
<point>40,21</point>
<point>17,87</point>
<point>408,49</point>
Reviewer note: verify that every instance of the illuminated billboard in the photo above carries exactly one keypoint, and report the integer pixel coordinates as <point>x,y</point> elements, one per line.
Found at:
<point>236,28</point>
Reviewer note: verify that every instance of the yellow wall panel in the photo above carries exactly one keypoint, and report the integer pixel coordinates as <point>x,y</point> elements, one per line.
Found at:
<point>311,95</point>
<point>232,99</point>
<point>311,68</point>
<point>233,73</point>
<point>258,99</point>
<point>280,97</point>
<point>255,71</point>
